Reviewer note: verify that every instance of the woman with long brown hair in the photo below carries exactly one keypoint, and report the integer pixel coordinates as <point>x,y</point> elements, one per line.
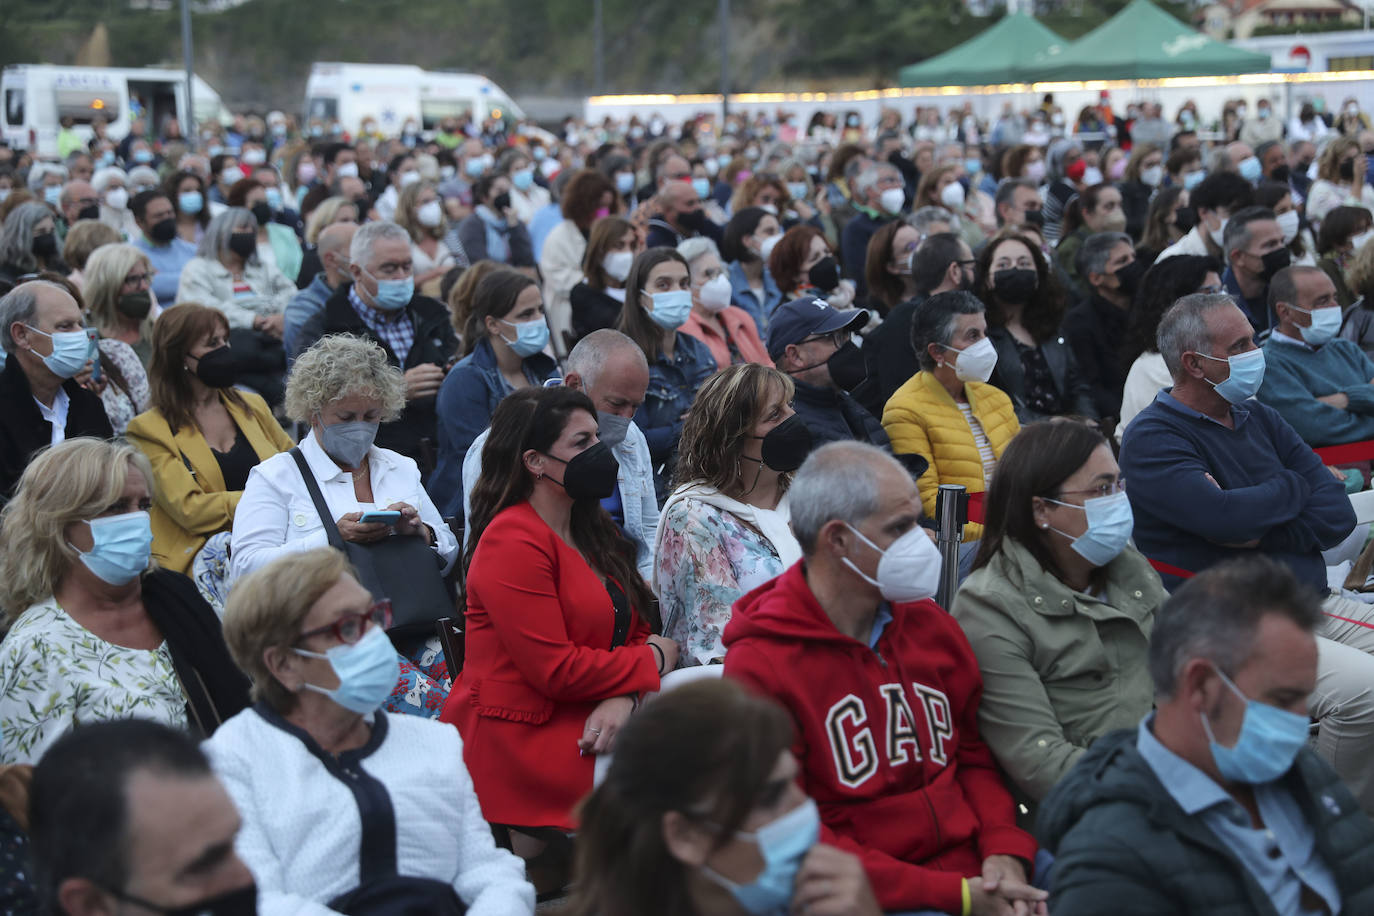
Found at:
<point>558,638</point>
<point>504,350</point>
<point>201,435</point>
<point>674,829</point>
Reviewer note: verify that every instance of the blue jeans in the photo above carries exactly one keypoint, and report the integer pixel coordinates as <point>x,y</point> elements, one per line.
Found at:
<point>1040,878</point>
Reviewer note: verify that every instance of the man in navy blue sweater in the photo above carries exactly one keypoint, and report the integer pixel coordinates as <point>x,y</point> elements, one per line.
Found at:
<point>1214,474</point>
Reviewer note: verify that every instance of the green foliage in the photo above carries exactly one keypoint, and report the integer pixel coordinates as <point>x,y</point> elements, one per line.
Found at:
<point>258,54</point>
<point>1304,28</point>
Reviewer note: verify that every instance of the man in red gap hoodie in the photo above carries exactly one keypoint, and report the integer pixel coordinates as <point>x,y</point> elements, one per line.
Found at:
<point>884,690</point>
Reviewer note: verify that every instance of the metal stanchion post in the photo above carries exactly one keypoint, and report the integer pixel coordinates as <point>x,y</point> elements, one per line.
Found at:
<point>951,511</point>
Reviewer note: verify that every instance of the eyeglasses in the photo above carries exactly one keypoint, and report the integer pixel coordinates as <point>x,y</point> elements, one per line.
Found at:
<point>1106,489</point>
<point>838,338</point>
<point>350,628</point>
<point>1210,290</point>
<point>137,279</point>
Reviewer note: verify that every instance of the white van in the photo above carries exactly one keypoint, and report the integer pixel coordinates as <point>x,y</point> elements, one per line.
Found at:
<point>37,96</point>
<point>392,94</point>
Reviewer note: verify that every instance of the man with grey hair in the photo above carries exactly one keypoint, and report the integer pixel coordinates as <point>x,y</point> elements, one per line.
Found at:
<point>1253,243</point>
<point>879,198</point>
<point>45,180</point>
<point>1018,201</point>
<point>41,401</point>
<point>1094,329</point>
<point>377,300</point>
<point>1323,385</point>
<point>609,368</point>
<point>1215,475</point>
<point>883,690</point>
<point>1214,804</point>
<point>931,220</point>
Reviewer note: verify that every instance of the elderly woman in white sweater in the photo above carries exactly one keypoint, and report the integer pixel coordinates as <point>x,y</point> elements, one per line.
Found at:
<point>346,809</point>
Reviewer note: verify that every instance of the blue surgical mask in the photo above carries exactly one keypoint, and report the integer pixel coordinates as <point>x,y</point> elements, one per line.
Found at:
<point>475,167</point>
<point>1110,523</point>
<point>70,351</point>
<point>1267,745</point>
<point>53,195</point>
<point>671,308</point>
<point>190,202</point>
<point>523,179</point>
<point>783,844</point>
<point>273,198</point>
<point>1247,374</point>
<point>367,671</point>
<point>1250,169</point>
<point>702,186</point>
<point>1193,179</point>
<point>624,183</point>
<point>973,166</point>
<point>120,547</point>
<point>530,336</point>
<point>798,190</point>
<point>143,156</point>
<point>392,294</point>
<point>1325,323</point>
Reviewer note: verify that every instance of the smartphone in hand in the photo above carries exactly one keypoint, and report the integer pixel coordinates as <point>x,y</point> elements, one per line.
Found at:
<point>382,516</point>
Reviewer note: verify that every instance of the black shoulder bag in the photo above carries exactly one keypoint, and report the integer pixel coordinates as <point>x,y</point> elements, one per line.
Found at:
<point>403,570</point>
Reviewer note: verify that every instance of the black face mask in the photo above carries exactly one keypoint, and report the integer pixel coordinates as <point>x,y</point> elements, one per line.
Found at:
<point>591,474</point>
<point>1014,286</point>
<point>1274,262</point>
<point>1346,170</point>
<point>243,244</point>
<point>824,274</point>
<point>45,246</point>
<point>693,219</point>
<point>262,213</point>
<point>502,202</point>
<point>217,369</point>
<point>241,902</point>
<point>1033,218</point>
<point>786,445</point>
<point>1128,277</point>
<point>1280,174</point>
<point>134,305</point>
<point>361,205</point>
<point>847,369</point>
<point>1185,218</point>
<point>90,211</point>
<point>163,232</point>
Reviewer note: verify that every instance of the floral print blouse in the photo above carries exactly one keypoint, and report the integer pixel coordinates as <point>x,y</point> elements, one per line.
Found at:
<point>706,559</point>
<point>55,674</point>
<point>121,406</point>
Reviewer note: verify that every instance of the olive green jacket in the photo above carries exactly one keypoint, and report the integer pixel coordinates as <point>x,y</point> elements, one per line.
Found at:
<point>1060,668</point>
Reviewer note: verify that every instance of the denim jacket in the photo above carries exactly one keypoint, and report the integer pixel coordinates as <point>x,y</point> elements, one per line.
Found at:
<point>467,398</point>
<point>743,296</point>
<point>672,388</point>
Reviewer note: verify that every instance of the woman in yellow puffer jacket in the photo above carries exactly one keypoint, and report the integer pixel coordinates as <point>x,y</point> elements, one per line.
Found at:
<point>947,413</point>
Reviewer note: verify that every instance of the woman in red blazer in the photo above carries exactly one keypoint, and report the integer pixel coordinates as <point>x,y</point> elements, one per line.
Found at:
<point>558,647</point>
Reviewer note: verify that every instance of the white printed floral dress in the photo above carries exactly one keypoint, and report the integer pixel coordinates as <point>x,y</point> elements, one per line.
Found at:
<point>55,674</point>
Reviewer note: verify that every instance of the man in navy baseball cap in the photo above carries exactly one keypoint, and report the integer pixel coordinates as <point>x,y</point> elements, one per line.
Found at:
<point>812,343</point>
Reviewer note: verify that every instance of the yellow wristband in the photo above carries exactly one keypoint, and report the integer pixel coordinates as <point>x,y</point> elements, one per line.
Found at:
<point>968,898</point>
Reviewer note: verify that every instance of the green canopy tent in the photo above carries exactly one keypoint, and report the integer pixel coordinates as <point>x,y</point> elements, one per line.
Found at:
<point>1144,42</point>
<point>999,54</point>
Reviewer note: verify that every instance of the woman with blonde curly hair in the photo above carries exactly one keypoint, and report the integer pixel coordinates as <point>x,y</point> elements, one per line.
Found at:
<point>725,529</point>
<point>343,389</point>
<point>1340,181</point>
<point>96,630</point>
<point>119,301</point>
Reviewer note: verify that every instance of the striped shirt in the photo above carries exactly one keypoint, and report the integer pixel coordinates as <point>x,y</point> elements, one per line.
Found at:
<point>980,439</point>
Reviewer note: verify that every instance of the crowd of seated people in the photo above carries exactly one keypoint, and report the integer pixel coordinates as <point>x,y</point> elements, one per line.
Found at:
<point>354,486</point>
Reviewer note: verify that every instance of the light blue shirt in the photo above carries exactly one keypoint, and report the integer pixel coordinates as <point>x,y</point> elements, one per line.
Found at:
<point>635,483</point>
<point>1281,856</point>
<point>167,262</point>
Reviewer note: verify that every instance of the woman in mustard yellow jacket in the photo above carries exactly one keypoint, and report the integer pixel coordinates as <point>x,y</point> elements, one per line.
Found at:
<point>947,413</point>
<point>201,435</point>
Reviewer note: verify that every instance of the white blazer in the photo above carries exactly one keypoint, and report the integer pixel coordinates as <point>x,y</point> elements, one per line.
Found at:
<point>277,517</point>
